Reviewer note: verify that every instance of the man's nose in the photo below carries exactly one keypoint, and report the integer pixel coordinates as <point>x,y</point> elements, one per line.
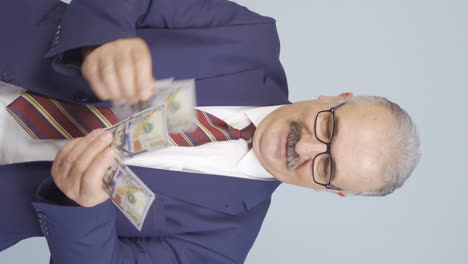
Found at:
<point>308,147</point>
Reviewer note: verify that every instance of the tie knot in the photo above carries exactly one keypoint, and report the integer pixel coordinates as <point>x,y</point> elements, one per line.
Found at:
<point>210,128</point>
<point>248,132</point>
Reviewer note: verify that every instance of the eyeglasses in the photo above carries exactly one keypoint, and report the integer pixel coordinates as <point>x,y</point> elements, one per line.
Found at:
<point>322,164</point>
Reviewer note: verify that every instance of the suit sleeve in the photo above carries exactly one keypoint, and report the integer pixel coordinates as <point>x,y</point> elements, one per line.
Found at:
<point>77,235</point>
<point>92,23</point>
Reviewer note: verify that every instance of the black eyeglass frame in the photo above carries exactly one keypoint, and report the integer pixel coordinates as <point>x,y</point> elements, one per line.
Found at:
<point>328,144</point>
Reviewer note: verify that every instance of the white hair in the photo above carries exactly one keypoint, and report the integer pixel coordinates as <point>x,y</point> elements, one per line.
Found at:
<point>403,143</point>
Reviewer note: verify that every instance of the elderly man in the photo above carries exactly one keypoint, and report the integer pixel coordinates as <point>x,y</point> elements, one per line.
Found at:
<point>211,198</point>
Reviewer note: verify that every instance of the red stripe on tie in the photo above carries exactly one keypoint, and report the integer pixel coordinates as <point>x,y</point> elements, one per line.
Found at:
<point>213,125</point>
<point>214,129</point>
<point>179,139</point>
<point>224,126</point>
<point>87,116</point>
<point>36,119</point>
<point>199,136</point>
<point>247,132</point>
<point>58,115</point>
<point>108,114</point>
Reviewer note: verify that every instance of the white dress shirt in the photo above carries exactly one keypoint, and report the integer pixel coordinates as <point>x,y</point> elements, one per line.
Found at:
<point>227,158</point>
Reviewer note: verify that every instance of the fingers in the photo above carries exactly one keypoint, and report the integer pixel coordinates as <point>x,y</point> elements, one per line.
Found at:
<point>86,155</point>
<point>126,75</point>
<point>84,143</point>
<point>99,88</point>
<point>59,163</point>
<point>120,70</point>
<point>80,166</point>
<point>110,81</point>
<point>91,189</point>
<point>94,70</point>
<point>144,77</point>
<point>66,160</point>
<point>90,71</point>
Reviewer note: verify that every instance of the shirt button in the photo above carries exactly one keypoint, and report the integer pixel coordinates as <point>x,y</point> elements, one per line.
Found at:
<point>8,76</point>
<point>81,98</point>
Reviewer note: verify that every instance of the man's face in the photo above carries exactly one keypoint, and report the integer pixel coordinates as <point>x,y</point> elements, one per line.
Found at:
<point>357,147</point>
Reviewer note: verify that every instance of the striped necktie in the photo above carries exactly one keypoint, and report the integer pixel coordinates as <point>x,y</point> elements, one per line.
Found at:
<point>46,118</point>
<point>209,129</point>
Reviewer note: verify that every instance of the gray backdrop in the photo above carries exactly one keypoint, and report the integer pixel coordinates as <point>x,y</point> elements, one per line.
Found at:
<point>414,52</point>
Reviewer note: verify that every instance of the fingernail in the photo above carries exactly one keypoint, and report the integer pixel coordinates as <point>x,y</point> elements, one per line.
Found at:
<point>109,153</point>
<point>145,96</point>
<point>121,102</point>
<point>95,133</point>
<point>106,136</point>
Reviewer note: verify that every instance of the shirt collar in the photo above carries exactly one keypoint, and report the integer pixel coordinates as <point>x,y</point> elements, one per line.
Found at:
<point>249,164</point>
<point>257,114</point>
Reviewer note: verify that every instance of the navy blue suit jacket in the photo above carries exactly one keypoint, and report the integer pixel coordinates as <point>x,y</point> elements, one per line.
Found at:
<point>232,53</point>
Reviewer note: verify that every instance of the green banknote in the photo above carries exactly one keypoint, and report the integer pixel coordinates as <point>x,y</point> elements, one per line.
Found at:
<point>145,126</point>
<point>128,193</point>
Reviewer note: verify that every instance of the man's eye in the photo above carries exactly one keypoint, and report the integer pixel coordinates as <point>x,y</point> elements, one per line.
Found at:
<point>325,167</point>
<point>327,127</point>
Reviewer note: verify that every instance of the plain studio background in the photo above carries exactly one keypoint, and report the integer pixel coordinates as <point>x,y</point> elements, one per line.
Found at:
<point>413,52</point>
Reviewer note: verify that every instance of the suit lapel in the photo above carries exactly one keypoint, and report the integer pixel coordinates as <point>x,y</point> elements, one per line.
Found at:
<point>246,88</point>
<point>235,65</point>
<point>226,194</point>
<point>40,9</point>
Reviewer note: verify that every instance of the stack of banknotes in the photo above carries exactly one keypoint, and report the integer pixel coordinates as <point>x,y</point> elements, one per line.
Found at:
<point>144,127</point>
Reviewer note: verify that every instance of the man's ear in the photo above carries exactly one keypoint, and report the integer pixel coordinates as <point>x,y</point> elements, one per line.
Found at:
<point>343,96</point>
<point>342,194</point>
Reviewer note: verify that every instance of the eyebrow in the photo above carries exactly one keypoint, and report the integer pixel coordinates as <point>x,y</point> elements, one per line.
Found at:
<point>335,132</point>
<point>337,122</point>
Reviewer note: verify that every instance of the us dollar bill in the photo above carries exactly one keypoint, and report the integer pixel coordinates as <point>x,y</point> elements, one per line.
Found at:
<point>124,111</point>
<point>128,193</point>
<point>142,132</point>
<point>147,130</point>
<point>179,98</point>
<point>145,126</point>
<point>180,103</point>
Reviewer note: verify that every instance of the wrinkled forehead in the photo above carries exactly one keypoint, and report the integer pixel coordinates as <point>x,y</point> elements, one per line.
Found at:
<point>360,147</point>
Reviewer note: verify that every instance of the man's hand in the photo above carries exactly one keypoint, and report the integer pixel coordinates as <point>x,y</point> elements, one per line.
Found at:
<point>120,70</point>
<point>79,168</point>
